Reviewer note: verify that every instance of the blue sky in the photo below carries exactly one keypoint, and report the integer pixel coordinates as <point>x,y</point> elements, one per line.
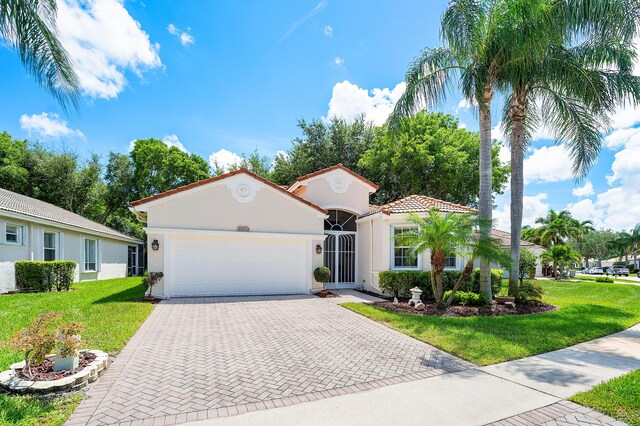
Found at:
<point>234,76</point>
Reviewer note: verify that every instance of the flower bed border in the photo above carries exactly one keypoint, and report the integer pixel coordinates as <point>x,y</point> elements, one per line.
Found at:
<point>89,374</point>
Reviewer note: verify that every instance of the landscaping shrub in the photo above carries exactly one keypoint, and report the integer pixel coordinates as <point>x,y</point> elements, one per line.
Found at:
<point>399,283</point>
<point>150,279</point>
<point>604,280</point>
<point>38,276</point>
<point>466,298</point>
<point>529,292</point>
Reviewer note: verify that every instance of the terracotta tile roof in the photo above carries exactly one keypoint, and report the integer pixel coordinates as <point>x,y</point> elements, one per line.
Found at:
<point>18,203</point>
<point>418,204</point>
<point>505,239</point>
<point>338,166</point>
<point>221,177</point>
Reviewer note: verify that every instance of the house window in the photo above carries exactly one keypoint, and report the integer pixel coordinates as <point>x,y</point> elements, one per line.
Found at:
<point>450,261</point>
<point>401,253</point>
<point>13,234</point>
<point>49,246</point>
<point>90,255</point>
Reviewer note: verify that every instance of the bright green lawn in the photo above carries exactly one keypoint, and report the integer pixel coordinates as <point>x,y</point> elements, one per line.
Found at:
<point>617,279</point>
<point>586,311</point>
<point>618,398</point>
<point>107,309</point>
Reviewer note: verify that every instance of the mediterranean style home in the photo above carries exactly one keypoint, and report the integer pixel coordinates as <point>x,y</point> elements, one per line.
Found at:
<point>239,234</point>
<point>31,229</point>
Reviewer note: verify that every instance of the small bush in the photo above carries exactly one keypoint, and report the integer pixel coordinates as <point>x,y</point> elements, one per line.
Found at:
<point>322,274</point>
<point>529,292</point>
<point>39,276</point>
<point>467,298</point>
<point>496,280</point>
<point>150,279</point>
<point>604,280</point>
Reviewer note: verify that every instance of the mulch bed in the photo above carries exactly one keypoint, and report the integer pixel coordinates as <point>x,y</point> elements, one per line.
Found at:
<point>325,293</point>
<point>152,300</point>
<point>470,311</point>
<point>45,371</point>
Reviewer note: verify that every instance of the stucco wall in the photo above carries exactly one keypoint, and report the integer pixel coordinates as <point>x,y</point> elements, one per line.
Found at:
<point>112,253</point>
<point>354,198</point>
<point>215,208</point>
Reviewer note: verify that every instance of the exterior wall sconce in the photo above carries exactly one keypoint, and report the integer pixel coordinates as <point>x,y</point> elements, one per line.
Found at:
<point>318,249</point>
<point>155,245</point>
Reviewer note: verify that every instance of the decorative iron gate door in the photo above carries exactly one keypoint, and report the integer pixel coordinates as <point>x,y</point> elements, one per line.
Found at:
<point>340,258</point>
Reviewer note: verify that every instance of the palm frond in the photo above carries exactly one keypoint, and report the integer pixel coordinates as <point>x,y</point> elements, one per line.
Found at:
<point>29,27</point>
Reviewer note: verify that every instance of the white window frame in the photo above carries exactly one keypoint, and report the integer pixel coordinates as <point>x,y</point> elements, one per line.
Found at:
<point>19,234</point>
<point>455,266</point>
<point>56,244</point>
<point>392,254</point>
<point>96,259</point>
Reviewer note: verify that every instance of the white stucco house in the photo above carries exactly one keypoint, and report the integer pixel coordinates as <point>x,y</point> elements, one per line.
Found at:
<point>31,229</point>
<point>239,234</point>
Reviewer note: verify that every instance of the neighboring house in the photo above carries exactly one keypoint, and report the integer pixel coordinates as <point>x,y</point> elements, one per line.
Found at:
<point>505,243</point>
<point>31,229</point>
<point>240,234</point>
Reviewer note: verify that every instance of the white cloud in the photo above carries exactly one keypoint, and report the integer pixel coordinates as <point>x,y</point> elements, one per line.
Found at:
<point>338,61</point>
<point>464,105</point>
<point>328,31</point>
<point>224,158</point>
<point>349,101</point>
<point>547,164</point>
<point>172,140</point>
<point>184,37</point>
<point>48,125</point>
<point>533,207</point>
<point>587,210</point>
<point>104,42</point>
<point>619,137</point>
<point>584,191</point>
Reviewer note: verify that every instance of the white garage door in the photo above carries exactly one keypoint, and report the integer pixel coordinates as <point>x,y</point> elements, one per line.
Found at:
<point>227,266</point>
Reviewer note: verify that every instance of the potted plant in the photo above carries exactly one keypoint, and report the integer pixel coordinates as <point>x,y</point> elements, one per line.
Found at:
<point>322,274</point>
<point>150,279</point>
<point>67,346</point>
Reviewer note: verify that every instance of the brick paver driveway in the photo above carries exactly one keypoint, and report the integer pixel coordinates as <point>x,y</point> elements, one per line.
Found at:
<point>197,358</point>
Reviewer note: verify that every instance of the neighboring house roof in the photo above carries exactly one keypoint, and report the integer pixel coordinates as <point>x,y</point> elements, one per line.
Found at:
<point>27,206</point>
<point>221,177</point>
<point>505,239</point>
<point>339,166</point>
<point>418,204</point>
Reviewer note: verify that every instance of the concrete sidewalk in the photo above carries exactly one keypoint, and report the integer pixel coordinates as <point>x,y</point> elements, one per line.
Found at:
<point>527,391</point>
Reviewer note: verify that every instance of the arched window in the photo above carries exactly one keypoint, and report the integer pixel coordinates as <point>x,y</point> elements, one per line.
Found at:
<point>340,220</point>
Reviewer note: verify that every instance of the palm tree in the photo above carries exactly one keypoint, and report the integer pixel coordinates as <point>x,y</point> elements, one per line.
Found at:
<point>569,64</point>
<point>467,61</point>
<point>621,245</point>
<point>634,239</point>
<point>444,234</point>
<point>29,26</point>
<point>560,256</point>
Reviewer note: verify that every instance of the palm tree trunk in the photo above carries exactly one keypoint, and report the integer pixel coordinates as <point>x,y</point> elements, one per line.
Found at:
<point>437,268</point>
<point>635,256</point>
<point>486,187</point>
<point>518,110</point>
<point>466,273</point>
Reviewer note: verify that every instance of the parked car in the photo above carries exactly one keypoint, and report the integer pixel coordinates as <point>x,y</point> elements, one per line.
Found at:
<point>617,270</point>
<point>597,271</point>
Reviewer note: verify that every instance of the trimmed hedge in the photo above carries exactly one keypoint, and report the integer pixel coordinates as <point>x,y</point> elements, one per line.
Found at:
<point>604,280</point>
<point>467,298</point>
<point>38,276</point>
<point>398,283</point>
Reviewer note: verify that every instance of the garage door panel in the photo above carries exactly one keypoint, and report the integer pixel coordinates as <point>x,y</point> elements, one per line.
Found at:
<point>216,266</point>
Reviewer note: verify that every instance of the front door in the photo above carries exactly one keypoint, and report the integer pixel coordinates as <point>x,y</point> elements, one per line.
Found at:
<point>340,249</point>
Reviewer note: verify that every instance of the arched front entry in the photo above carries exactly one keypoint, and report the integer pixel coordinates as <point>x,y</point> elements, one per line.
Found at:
<point>340,248</point>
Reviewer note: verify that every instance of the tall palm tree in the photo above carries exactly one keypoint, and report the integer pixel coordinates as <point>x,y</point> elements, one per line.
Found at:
<point>467,61</point>
<point>570,65</point>
<point>29,26</point>
<point>560,256</point>
<point>444,234</point>
<point>634,238</point>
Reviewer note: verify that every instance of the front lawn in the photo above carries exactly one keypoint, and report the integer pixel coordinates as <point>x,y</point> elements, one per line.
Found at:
<point>617,398</point>
<point>111,315</point>
<point>586,311</point>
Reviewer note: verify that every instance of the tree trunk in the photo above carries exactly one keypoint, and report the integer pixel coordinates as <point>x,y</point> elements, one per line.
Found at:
<point>635,256</point>
<point>437,268</point>
<point>466,273</point>
<point>486,187</point>
<point>517,111</point>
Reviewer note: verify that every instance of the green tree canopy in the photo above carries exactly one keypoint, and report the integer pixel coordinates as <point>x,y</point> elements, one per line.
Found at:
<point>429,154</point>
<point>324,145</point>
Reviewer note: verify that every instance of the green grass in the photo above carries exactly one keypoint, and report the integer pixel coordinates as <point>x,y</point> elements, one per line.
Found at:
<point>586,311</point>
<point>617,280</point>
<point>108,310</point>
<point>617,398</point>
